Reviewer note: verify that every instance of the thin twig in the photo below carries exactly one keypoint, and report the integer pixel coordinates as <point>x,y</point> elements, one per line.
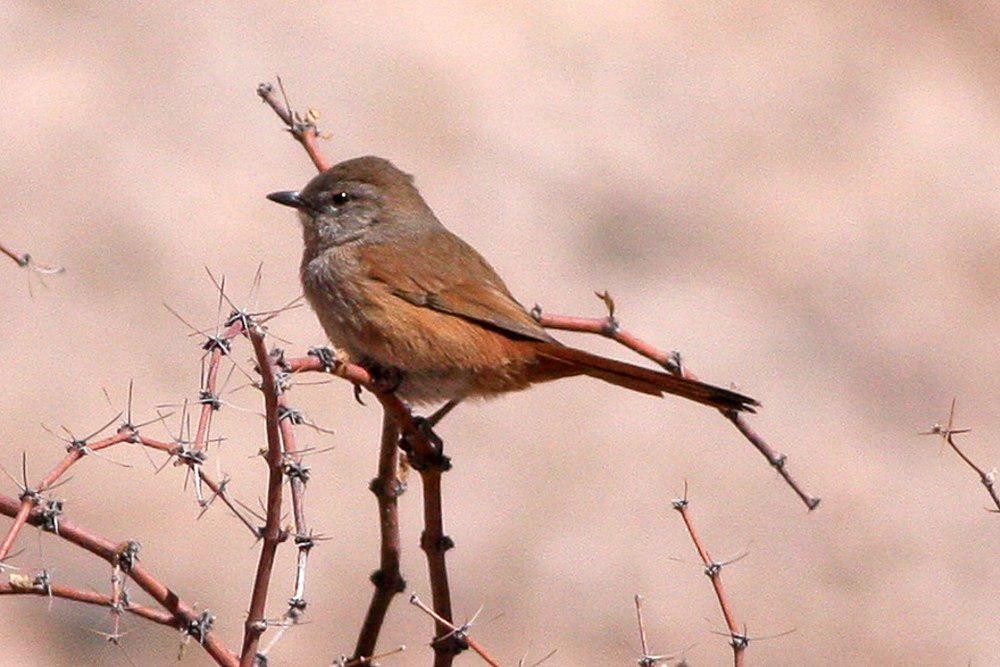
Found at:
<point>948,433</point>
<point>198,625</point>
<point>647,659</point>
<point>460,633</point>
<point>88,597</point>
<point>713,570</point>
<point>609,327</point>
<point>303,128</point>
<point>272,534</point>
<point>24,260</point>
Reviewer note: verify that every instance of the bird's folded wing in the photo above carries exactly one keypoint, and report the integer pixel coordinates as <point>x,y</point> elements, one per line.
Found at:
<point>447,275</point>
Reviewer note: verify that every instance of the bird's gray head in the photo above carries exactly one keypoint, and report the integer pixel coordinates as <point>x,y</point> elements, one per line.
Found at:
<point>366,199</point>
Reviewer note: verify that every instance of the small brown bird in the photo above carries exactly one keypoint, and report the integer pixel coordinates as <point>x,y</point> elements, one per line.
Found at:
<point>407,299</point>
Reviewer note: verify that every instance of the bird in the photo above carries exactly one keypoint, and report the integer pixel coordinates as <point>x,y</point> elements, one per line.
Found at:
<point>423,311</point>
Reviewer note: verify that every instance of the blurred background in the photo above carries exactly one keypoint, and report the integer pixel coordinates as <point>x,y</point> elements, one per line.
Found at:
<point>802,198</point>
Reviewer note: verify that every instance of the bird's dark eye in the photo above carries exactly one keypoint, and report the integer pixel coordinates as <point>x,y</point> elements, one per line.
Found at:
<point>341,198</point>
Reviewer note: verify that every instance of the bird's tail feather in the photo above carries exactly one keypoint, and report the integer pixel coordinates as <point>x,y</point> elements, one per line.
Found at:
<point>578,362</point>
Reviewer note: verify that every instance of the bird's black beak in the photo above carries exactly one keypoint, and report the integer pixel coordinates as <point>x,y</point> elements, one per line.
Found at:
<point>288,198</point>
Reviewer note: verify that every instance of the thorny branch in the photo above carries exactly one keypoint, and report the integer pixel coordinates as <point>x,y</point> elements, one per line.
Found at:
<point>948,433</point>
<point>273,535</point>
<point>38,586</point>
<point>609,327</point>
<point>461,634</point>
<point>125,555</point>
<point>425,456</point>
<point>76,449</point>
<point>303,128</point>
<point>647,659</point>
<point>713,570</point>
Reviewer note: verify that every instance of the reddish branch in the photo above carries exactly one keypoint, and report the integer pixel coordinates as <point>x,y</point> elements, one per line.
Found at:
<point>425,457</point>
<point>388,581</point>
<point>610,328</point>
<point>461,634</point>
<point>303,128</point>
<point>713,570</point>
<point>30,497</point>
<point>272,535</point>
<point>87,597</point>
<point>297,474</point>
<point>218,347</point>
<point>435,544</point>
<point>948,433</point>
<point>124,555</point>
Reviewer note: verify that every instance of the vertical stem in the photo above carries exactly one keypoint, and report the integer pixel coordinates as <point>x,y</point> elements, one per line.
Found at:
<point>387,579</point>
<point>435,544</point>
<point>714,570</point>
<point>255,623</point>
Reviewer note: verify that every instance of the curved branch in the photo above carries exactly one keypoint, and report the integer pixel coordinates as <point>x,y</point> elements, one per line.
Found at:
<point>609,327</point>
<point>183,614</point>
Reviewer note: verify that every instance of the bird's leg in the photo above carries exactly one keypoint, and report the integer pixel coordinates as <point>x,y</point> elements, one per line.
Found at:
<point>441,413</point>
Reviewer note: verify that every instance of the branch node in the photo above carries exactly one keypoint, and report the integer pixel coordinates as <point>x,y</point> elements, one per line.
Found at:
<point>385,488</point>
<point>452,643</point>
<point>127,554</point>
<point>388,581</point>
<point>440,544</point>
<point>244,318</point>
<point>207,397</point>
<point>327,357</point>
<point>50,515</point>
<point>291,414</point>
<point>200,627</point>
<point>304,542</point>
<point>213,343</point>
<point>296,470</point>
<point>191,456</point>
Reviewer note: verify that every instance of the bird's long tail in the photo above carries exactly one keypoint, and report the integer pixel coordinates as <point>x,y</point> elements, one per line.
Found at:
<point>571,361</point>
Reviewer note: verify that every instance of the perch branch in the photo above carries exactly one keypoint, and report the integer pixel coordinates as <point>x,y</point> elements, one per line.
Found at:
<point>425,455</point>
<point>427,459</point>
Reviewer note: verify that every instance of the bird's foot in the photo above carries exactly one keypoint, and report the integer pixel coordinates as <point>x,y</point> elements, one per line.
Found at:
<point>422,458</point>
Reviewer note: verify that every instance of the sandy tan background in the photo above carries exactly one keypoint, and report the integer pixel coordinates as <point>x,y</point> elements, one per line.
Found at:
<point>802,199</point>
